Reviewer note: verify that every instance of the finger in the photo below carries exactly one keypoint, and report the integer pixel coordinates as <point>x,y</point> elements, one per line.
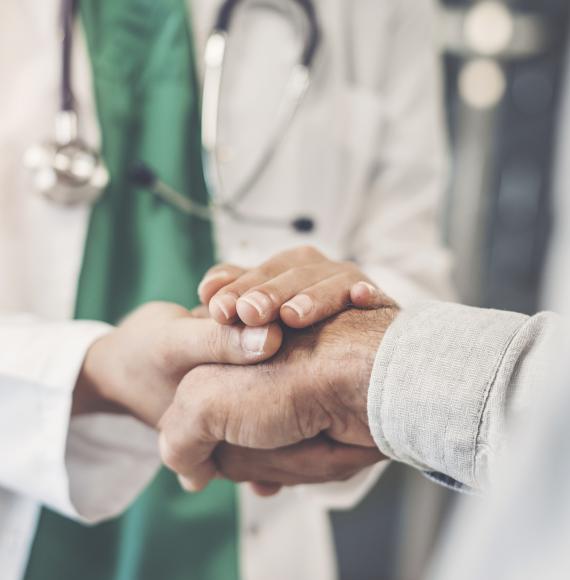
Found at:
<point>263,303</point>
<point>265,489</point>
<point>189,342</point>
<point>320,301</point>
<point>216,278</point>
<point>316,461</point>
<point>200,312</point>
<point>186,447</point>
<point>193,486</point>
<point>223,303</point>
<point>366,295</point>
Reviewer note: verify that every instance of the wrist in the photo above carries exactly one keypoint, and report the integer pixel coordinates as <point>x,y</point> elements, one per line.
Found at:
<point>93,392</point>
<point>357,372</point>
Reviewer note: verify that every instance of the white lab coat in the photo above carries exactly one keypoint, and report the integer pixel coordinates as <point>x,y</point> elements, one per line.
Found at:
<point>365,157</point>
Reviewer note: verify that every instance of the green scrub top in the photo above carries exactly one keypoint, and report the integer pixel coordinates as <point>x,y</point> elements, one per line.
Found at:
<point>136,251</point>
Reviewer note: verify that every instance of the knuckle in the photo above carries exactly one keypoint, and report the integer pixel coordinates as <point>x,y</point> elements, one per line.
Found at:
<point>308,253</point>
<point>223,268</point>
<point>172,451</point>
<point>306,271</point>
<point>218,343</point>
<point>272,292</point>
<point>228,290</point>
<point>350,268</point>
<point>266,270</point>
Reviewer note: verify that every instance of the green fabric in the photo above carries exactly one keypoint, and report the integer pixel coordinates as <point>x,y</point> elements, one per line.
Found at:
<point>137,251</point>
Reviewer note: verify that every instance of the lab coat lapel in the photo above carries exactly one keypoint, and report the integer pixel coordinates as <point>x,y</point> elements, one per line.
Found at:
<point>253,82</point>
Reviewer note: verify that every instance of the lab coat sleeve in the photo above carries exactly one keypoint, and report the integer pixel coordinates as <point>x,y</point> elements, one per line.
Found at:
<point>397,238</point>
<point>88,468</point>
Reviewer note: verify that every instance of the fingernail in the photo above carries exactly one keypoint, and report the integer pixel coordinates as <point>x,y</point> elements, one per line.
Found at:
<point>220,275</point>
<point>253,339</point>
<point>187,484</point>
<point>225,304</point>
<point>371,289</point>
<point>302,305</point>
<point>258,300</point>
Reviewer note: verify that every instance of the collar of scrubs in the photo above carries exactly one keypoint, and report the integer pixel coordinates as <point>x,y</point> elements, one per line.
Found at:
<point>137,251</point>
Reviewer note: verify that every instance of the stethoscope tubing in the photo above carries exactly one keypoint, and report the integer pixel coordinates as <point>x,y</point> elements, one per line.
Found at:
<point>68,10</point>
<point>294,95</point>
<point>296,90</point>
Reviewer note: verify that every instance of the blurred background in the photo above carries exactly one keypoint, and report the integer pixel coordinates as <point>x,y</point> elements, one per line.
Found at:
<point>504,64</point>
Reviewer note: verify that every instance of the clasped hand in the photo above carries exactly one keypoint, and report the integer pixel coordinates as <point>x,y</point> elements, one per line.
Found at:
<point>268,385</point>
<point>300,417</point>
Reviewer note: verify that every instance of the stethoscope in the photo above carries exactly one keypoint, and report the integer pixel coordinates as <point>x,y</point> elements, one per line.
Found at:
<point>67,171</point>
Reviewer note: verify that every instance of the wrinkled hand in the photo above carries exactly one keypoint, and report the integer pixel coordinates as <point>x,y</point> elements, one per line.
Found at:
<point>299,286</point>
<point>136,368</point>
<point>318,460</point>
<point>316,386</point>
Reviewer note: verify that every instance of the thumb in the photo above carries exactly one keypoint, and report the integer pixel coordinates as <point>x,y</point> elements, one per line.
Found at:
<point>191,342</point>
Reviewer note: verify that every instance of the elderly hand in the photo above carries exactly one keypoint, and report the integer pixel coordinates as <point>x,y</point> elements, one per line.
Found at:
<point>316,386</point>
<point>136,368</point>
<point>300,286</point>
<point>318,460</point>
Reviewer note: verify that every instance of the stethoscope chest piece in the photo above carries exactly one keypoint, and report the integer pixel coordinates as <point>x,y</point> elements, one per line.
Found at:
<point>66,170</point>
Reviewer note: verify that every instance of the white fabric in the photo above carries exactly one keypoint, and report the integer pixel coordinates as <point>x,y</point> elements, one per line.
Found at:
<point>346,162</point>
<point>522,531</point>
<point>366,156</point>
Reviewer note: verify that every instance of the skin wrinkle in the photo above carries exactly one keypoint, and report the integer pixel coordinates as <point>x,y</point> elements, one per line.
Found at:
<point>289,399</point>
<point>309,459</point>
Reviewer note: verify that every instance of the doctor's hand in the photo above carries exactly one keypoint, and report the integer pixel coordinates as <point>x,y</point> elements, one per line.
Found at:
<point>136,368</point>
<point>316,386</point>
<point>299,286</point>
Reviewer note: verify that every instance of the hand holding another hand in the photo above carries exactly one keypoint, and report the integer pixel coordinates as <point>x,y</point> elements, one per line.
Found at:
<point>316,386</point>
<point>137,367</point>
<point>300,287</point>
<point>300,418</point>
